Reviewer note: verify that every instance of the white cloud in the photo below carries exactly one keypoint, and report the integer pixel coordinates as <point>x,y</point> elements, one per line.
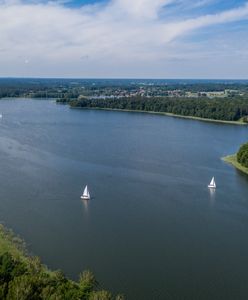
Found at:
<point>140,8</point>
<point>179,28</point>
<point>117,38</point>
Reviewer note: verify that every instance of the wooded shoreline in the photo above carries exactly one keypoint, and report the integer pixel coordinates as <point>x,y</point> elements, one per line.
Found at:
<point>232,159</point>
<point>23,276</point>
<point>166,114</point>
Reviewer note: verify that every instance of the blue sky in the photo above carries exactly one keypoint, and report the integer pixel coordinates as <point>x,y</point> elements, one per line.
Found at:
<point>124,38</point>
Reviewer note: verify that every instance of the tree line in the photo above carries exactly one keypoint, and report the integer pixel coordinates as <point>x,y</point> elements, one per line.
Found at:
<point>28,279</point>
<point>227,109</point>
<point>242,155</point>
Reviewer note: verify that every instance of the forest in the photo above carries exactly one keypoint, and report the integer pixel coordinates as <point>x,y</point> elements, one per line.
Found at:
<point>226,109</point>
<point>242,155</point>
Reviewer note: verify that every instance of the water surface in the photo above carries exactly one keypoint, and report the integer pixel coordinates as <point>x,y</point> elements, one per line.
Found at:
<point>153,230</point>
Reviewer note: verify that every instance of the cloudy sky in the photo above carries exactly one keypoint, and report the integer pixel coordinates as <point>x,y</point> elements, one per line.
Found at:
<point>124,38</point>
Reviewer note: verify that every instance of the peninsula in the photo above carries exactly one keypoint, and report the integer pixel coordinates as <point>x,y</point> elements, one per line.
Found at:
<point>239,160</point>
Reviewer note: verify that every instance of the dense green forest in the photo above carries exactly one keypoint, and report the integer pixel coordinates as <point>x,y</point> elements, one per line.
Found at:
<point>242,155</point>
<point>228,109</point>
<point>23,277</point>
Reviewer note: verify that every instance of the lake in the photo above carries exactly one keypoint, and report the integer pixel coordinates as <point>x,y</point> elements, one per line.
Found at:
<point>152,230</point>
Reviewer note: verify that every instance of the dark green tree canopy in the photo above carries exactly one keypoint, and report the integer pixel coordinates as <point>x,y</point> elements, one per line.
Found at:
<point>242,155</point>
<point>28,279</point>
<point>228,109</point>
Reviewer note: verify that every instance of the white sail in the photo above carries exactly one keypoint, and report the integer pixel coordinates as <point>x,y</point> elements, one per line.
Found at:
<point>86,193</point>
<point>212,184</point>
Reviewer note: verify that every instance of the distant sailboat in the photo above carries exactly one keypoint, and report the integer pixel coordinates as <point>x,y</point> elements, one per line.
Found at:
<point>86,194</point>
<point>212,184</point>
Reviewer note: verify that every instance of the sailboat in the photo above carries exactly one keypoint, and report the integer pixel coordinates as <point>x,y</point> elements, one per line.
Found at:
<point>212,184</point>
<point>86,194</point>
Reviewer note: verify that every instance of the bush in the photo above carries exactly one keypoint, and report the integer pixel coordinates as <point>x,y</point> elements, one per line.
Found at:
<point>28,279</point>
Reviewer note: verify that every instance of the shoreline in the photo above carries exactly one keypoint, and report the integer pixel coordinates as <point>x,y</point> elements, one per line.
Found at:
<point>24,273</point>
<point>13,244</point>
<point>240,123</point>
<point>232,159</point>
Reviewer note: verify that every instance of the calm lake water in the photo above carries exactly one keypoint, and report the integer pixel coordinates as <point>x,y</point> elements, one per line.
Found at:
<point>153,230</point>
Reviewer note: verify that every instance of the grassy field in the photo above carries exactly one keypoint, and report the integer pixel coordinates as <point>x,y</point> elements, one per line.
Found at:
<point>232,159</point>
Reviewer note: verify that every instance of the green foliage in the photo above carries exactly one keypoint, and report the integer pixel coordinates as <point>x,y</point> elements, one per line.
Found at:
<point>245,119</point>
<point>23,287</point>
<point>227,109</point>
<point>11,243</point>
<point>242,155</point>
<point>87,283</point>
<point>100,295</point>
<point>29,280</point>
<point>10,268</point>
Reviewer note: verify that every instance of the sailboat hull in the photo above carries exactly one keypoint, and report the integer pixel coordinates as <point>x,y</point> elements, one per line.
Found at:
<point>212,186</point>
<point>85,197</point>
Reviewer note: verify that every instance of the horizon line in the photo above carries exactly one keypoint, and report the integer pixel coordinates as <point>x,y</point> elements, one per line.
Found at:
<point>122,78</point>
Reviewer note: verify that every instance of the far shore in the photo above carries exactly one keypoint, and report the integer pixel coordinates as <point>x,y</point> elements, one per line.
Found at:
<point>240,122</point>
<point>168,114</point>
<point>232,159</point>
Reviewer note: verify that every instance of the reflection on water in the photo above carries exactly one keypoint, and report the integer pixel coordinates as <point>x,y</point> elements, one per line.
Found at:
<point>212,196</point>
<point>85,206</point>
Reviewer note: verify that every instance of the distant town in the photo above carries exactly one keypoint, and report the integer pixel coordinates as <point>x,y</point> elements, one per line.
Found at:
<point>69,89</point>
